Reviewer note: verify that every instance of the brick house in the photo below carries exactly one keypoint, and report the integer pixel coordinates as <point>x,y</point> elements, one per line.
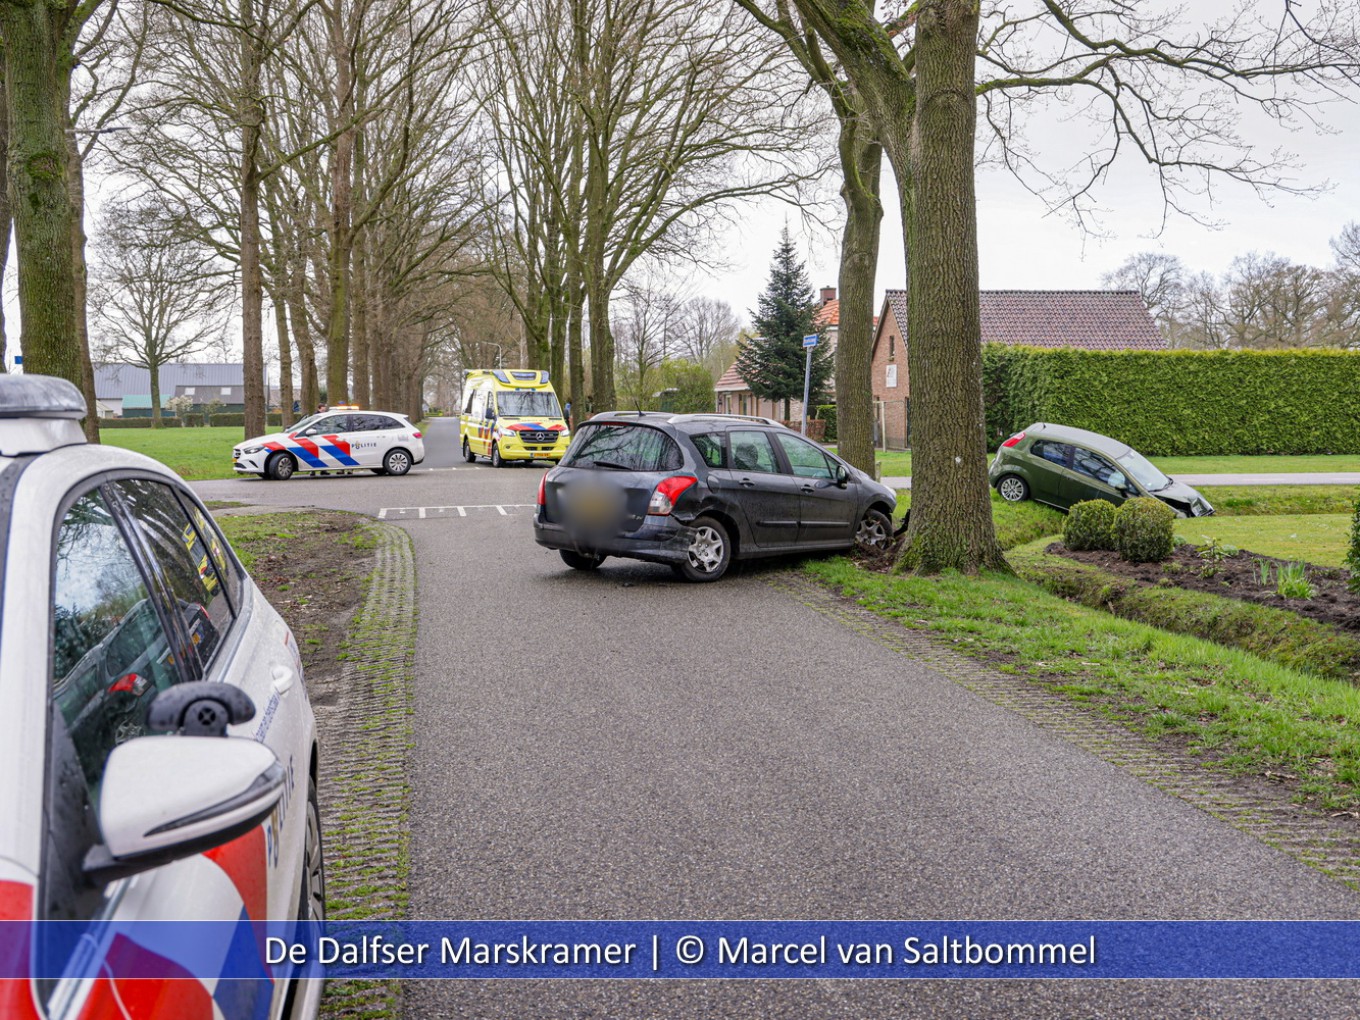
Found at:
<point>733,394</point>
<point>1102,320</point>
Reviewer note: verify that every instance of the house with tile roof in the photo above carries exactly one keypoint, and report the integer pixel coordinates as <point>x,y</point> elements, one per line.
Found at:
<point>734,395</point>
<point>125,390</point>
<point>1098,320</point>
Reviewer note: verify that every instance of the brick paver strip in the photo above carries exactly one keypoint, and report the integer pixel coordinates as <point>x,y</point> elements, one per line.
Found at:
<point>366,740</point>
<point>1330,843</point>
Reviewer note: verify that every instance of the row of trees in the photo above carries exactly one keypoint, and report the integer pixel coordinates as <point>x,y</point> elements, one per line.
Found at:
<point>1262,301</point>
<point>361,164</point>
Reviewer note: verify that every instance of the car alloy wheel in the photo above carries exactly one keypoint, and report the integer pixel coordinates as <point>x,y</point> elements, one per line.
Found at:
<point>313,863</point>
<point>874,531</point>
<point>1013,489</point>
<point>709,553</point>
<point>397,462</point>
<point>281,467</point>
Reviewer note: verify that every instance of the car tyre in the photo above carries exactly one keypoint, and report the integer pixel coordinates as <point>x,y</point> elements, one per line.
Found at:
<point>580,561</point>
<point>709,553</point>
<point>874,531</point>
<point>468,455</point>
<point>280,467</point>
<point>397,462</point>
<point>1012,488</point>
<point>312,896</point>
<point>496,460</point>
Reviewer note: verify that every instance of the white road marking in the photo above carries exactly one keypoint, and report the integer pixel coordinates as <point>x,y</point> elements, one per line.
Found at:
<point>423,513</point>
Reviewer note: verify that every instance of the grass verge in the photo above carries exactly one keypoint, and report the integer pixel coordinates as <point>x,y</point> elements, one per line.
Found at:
<point>1015,523</point>
<point>1313,538</point>
<point>193,454</point>
<point>1234,710</point>
<point>1273,500</point>
<point>1273,634</point>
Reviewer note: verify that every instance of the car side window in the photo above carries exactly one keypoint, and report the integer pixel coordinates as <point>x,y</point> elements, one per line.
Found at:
<point>189,571</point>
<point>110,653</point>
<point>806,460</point>
<point>751,451</point>
<point>710,447</point>
<point>1055,453</point>
<point>379,423</point>
<point>1088,463</point>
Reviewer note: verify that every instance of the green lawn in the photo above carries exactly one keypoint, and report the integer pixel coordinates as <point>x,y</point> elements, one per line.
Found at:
<point>898,462</point>
<point>1238,711</point>
<point>1313,538</point>
<point>194,454</point>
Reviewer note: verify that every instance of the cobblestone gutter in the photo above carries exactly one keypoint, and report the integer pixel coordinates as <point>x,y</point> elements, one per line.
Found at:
<point>1256,807</point>
<point>366,741</point>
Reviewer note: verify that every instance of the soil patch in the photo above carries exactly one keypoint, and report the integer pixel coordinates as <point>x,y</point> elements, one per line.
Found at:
<point>1237,576</point>
<point>313,571</point>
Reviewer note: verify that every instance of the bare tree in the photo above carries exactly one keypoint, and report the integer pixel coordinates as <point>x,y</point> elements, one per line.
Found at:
<point>158,298</point>
<point>1160,279</point>
<point>707,330</point>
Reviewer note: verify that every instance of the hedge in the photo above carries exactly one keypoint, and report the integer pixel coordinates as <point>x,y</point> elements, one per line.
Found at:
<point>1181,403</point>
<point>125,423</point>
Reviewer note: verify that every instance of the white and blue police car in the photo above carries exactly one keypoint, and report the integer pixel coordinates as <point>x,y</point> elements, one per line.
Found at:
<point>158,752</point>
<point>341,439</point>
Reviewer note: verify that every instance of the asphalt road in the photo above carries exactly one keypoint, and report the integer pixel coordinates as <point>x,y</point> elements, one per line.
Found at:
<point>621,745</point>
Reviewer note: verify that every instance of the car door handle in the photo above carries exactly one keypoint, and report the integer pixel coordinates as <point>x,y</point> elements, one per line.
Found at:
<point>808,488</point>
<point>746,483</point>
<point>284,678</point>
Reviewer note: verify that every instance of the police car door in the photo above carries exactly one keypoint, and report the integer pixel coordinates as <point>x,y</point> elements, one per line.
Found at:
<point>373,436</point>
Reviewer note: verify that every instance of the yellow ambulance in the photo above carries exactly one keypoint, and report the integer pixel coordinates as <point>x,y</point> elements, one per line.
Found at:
<point>512,414</point>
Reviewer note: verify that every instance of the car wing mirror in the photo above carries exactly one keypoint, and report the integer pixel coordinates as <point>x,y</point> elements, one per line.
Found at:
<point>166,798</point>
<point>842,476</point>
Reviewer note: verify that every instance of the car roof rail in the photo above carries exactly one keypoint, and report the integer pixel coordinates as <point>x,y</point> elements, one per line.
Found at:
<point>719,416</point>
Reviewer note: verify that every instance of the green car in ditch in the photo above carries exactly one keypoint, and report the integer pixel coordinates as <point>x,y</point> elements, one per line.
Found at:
<point>1061,466</point>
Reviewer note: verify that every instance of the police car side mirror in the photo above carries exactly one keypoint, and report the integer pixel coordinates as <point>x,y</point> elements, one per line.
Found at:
<point>165,798</point>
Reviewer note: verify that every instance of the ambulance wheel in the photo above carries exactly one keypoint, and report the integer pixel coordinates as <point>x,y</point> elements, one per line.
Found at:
<point>397,462</point>
<point>496,459</point>
<point>468,455</point>
<point>281,466</point>
<point>578,561</point>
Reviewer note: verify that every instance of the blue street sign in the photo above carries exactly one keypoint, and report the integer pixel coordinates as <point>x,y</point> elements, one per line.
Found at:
<point>810,341</point>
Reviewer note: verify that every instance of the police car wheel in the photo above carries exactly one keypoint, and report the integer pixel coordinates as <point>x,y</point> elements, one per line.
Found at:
<point>578,561</point>
<point>496,460</point>
<point>313,864</point>
<point>281,466</point>
<point>397,462</point>
<point>468,455</point>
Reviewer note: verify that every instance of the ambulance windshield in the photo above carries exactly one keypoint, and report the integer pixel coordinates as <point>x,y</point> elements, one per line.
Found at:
<point>528,404</point>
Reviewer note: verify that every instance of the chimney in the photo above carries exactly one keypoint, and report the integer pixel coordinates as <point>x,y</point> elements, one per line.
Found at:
<point>828,294</point>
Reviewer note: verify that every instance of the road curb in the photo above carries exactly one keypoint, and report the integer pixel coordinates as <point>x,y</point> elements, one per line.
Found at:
<point>1329,844</point>
<point>365,791</point>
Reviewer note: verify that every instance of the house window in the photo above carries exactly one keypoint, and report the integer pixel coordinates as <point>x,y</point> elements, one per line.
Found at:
<point>188,391</point>
<point>892,348</point>
<point>226,391</point>
<point>892,377</point>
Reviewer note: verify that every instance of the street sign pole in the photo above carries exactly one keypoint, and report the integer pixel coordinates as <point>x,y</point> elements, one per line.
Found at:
<point>809,342</point>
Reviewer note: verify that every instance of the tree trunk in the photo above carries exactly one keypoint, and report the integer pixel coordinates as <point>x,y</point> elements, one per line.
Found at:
<point>75,171</point>
<point>861,165</point>
<point>951,521</point>
<point>6,216</point>
<point>342,200</point>
<point>286,395</point>
<point>155,374</point>
<point>34,62</point>
<point>252,279</point>
<point>359,338</point>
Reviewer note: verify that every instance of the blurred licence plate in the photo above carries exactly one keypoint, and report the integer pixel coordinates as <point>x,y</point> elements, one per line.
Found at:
<point>593,508</point>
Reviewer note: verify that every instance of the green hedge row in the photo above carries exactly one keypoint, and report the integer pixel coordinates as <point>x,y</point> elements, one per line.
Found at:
<point>1181,403</point>
<point>827,413</point>
<point>124,423</point>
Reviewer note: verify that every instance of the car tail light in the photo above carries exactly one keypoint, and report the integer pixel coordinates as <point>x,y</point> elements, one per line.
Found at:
<point>1014,440</point>
<point>664,497</point>
<point>125,684</point>
<point>416,434</point>
<point>543,490</point>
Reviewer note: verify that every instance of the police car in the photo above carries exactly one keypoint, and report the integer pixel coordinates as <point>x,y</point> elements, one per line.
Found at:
<point>341,439</point>
<point>158,752</point>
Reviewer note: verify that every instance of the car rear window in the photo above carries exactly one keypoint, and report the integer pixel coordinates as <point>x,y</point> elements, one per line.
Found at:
<point>624,446</point>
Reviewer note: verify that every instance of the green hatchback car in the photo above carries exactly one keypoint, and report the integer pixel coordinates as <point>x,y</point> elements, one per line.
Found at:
<point>1061,466</point>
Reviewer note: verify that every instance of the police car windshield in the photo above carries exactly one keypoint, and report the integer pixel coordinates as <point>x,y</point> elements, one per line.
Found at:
<point>527,404</point>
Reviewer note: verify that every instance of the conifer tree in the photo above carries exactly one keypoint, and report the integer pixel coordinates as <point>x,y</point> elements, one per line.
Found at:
<point>772,362</point>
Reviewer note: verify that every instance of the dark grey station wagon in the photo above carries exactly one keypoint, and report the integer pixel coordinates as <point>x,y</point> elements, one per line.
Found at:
<point>698,491</point>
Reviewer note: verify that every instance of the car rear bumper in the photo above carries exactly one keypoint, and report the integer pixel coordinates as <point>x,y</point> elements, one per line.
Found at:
<point>659,540</point>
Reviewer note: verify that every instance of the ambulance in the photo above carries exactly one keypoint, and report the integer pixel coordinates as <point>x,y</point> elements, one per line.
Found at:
<point>512,414</point>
